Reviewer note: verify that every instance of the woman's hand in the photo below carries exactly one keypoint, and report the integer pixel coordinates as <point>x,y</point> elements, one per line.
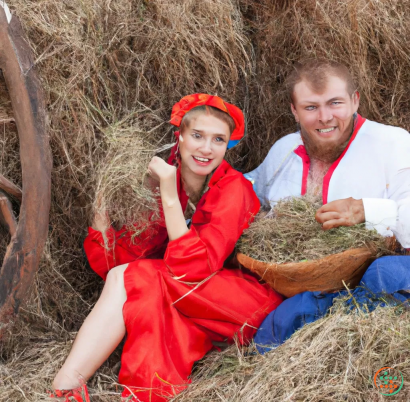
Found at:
<point>165,174</point>
<point>160,170</point>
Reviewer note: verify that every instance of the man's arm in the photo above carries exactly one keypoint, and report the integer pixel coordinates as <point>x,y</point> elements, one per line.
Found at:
<point>383,214</point>
<point>392,213</point>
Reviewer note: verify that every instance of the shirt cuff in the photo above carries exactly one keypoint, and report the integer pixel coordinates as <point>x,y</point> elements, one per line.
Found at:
<point>380,214</point>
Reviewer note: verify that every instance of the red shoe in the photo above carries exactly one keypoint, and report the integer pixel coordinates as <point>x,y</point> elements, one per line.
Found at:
<point>79,394</point>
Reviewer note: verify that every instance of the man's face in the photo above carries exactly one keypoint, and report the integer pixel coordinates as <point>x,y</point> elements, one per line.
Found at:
<point>326,119</point>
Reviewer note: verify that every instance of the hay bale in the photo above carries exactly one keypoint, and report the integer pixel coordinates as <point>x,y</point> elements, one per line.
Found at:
<point>101,62</point>
<point>332,359</point>
<point>111,72</point>
<point>367,36</point>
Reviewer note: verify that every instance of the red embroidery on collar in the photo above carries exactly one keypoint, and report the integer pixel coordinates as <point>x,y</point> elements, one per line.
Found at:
<point>328,175</point>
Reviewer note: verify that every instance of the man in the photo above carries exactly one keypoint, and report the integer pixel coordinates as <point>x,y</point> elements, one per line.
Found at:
<point>360,168</point>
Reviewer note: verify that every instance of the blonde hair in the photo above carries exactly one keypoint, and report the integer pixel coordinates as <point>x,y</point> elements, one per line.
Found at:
<point>209,110</point>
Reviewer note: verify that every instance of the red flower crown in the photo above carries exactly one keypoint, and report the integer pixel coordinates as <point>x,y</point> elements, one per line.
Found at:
<point>189,102</point>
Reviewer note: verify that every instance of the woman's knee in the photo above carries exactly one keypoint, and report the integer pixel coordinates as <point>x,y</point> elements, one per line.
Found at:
<point>116,274</point>
<point>115,279</point>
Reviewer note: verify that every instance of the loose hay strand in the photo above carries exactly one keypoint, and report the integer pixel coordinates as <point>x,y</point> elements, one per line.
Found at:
<point>123,188</point>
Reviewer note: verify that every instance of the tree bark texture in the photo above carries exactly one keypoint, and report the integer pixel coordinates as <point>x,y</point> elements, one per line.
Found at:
<point>26,246</point>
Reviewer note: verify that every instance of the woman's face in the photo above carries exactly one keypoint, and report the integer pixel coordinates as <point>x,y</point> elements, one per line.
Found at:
<point>203,144</point>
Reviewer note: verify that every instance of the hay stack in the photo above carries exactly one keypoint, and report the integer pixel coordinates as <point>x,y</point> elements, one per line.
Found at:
<point>111,72</point>
<point>368,36</point>
<point>102,62</point>
<point>332,359</point>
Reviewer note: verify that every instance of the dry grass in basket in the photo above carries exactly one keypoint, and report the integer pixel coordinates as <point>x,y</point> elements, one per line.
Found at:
<point>290,233</point>
<point>332,359</point>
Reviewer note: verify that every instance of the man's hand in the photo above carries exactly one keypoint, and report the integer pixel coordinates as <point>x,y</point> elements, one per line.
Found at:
<point>347,212</point>
<point>160,170</point>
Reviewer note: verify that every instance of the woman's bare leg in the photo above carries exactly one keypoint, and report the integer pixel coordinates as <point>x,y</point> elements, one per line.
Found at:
<point>100,334</point>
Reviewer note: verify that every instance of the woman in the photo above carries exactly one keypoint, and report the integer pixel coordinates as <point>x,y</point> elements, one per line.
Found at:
<point>169,292</point>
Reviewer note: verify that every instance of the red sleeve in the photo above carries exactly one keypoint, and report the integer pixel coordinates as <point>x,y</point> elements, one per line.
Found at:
<point>122,248</point>
<point>222,215</point>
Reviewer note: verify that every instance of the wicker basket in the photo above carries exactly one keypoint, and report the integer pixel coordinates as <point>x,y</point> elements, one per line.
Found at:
<point>326,274</point>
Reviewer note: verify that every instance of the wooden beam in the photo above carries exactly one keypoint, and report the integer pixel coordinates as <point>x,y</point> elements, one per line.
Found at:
<point>7,218</point>
<point>24,251</point>
<point>10,188</point>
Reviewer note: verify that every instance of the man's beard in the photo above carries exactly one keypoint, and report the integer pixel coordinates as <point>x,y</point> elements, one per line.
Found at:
<point>326,153</point>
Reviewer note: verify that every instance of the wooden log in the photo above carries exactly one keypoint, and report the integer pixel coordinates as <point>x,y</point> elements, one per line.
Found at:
<point>7,218</point>
<point>10,188</point>
<point>24,251</point>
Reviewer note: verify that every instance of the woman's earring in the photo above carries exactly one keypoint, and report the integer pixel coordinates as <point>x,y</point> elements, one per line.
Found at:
<point>354,115</point>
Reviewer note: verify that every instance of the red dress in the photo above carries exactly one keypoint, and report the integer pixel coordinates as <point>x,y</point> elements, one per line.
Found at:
<point>178,305</point>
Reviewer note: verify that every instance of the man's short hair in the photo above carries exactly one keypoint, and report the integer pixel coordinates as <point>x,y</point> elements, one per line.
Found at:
<point>316,72</point>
